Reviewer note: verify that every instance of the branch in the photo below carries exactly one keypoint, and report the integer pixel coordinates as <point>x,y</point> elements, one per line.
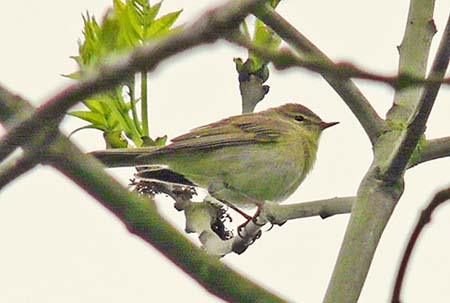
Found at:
<point>424,219</point>
<point>141,218</point>
<point>270,212</point>
<point>433,149</point>
<point>140,215</point>
<point>13,108</point>
<point>252,92</point>
<point>286,59</point>
<point>376,199</point>
<point>207,29</point>
<point>199,216</point>
<point>351,95</point>
<point>413,59</point>
<point>11,114</point>
<point>409,138</point>
<point>279,214</point>
<point>14,168</point>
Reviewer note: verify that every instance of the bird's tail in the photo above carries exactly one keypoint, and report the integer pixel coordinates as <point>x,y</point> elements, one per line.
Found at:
<point>117,157</point>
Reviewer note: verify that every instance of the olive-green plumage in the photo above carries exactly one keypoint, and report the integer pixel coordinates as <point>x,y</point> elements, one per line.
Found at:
<point>242,160</point>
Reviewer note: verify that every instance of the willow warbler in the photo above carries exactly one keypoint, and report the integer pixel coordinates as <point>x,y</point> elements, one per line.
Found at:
<point>241,160</point>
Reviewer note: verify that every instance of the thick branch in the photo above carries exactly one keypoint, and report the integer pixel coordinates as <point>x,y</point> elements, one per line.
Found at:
<point>208,28</point>
<point>352,96</point>
<point>414,52</point>
<point>376,198</point>
<point>400,155</point>
<point>371,211</point>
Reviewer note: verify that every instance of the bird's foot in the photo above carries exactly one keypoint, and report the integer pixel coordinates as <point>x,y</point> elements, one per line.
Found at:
<point>253,219</point>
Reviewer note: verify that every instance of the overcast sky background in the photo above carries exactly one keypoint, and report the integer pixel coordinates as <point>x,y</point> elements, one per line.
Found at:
<point>60,245</point>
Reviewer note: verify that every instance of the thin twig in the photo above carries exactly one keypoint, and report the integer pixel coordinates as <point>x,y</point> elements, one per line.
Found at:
<point>207,29</point>
<point>400,155</point>
<point>351,95</point>
<point>286,59</point>
<point>424,219</point>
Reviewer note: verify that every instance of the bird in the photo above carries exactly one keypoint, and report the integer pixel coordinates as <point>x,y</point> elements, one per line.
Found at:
<point>242,161</point>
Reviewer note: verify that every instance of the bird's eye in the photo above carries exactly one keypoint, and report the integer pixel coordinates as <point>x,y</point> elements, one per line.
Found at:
<point>299,118</point>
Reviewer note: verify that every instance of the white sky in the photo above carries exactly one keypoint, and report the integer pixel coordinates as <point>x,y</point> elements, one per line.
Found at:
<point>60,245</point>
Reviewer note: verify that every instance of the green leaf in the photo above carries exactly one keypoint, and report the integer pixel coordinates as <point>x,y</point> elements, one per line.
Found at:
<point>264,37</point>
<point>161,141</point>
<point>161,26</point>
<point>128,24</point>
<point>107,35</point>
<point>95,105</point>
<point>75,76</point>
<point>150,15</point>
<point>92,117</point>
<point>132,23</point>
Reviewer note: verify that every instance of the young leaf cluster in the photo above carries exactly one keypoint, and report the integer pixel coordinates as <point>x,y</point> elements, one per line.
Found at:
<point>126,25</point>
<point>263,36</point>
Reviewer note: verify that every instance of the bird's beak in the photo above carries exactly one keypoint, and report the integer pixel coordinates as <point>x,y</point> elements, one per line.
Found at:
<point>324,125</point>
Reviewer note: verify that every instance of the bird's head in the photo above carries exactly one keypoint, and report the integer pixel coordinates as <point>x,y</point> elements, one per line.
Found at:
<point>303,117</point>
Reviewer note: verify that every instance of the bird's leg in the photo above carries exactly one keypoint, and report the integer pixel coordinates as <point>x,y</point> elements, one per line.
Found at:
<point>254,219</point>
<point>225,189</point>
<point>239,211</point>
<point>259,205</point>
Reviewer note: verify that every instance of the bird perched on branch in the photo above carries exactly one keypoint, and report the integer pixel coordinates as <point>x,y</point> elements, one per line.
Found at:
<point>241,161</point>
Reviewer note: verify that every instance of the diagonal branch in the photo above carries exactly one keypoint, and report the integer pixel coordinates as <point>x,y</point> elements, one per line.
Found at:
<point>138,214</point>
<point>12,109</point>
<point>12,169</point>
<point>141,218</point>
<point>207,29</point>
<point>351,95</point>
<point>401,153</point>
<point>433,149</point>
<point>286,59</point>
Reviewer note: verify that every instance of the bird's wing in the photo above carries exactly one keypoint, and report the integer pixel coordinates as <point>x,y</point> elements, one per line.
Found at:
<point>239,130</point>
<point>233,131</point>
